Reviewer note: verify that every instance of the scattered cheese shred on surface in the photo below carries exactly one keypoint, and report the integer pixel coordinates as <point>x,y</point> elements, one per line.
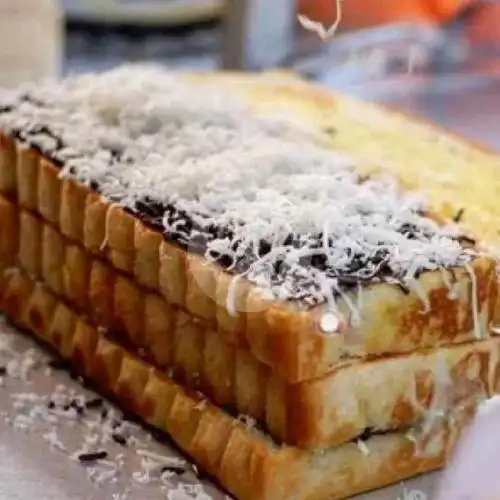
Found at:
<point>257,188</point>
<point>413,495</point>
<point>72,421</point>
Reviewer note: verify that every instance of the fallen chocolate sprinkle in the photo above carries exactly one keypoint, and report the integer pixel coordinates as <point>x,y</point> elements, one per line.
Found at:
<point>92,457</point>
<point>77,407</point>
<point>3,371</point>
<point>94,403</point>
<point>118,438</point>
<point>158,435</point>
<point>175,469</point>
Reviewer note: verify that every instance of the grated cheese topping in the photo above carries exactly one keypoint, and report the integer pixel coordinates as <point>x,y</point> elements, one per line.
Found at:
<point>253,191</point>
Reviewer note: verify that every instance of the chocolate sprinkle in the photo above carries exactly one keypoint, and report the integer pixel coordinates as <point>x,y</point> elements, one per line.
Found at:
<point>466,239</point>
<point>93,404</point>
<point>77,407</point>
<point>118,438</point>
<point>459,216</point>
<point>92,457</point>
<point>366,434</point>
<point>177,470</point>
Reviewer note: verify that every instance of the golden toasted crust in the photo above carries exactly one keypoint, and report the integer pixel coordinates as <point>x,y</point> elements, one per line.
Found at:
<point>323,412</point>
<point>280,335</point>
<point>240,457</point>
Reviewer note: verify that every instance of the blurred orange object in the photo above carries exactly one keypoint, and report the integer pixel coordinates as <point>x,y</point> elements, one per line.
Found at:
<point>363,13</point>
<point>485,24</point>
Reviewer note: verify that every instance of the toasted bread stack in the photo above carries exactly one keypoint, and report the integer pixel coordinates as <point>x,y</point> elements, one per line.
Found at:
<point>287,369</point>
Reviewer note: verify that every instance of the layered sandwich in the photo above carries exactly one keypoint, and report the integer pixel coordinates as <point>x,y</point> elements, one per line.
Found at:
<point>234,260</point>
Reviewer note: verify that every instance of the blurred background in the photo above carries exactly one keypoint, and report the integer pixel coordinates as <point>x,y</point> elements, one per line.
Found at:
<point>436,58</point>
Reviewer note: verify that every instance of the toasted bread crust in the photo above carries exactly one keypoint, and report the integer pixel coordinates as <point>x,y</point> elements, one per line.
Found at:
<point>242,459</point>
<point>285,338</point>
<point>323,412</point>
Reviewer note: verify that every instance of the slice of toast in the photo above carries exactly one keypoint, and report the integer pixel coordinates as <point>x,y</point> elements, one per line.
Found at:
<point>241,458</point>
<point>458,176</point>
<point>320,413</point>
<point>286,337</point>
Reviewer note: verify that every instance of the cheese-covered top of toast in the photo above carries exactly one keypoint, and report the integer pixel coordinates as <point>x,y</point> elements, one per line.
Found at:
<point>256,191</point>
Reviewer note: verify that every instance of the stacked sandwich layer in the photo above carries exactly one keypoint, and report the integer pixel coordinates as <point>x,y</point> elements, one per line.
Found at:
<point>300,329</point>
